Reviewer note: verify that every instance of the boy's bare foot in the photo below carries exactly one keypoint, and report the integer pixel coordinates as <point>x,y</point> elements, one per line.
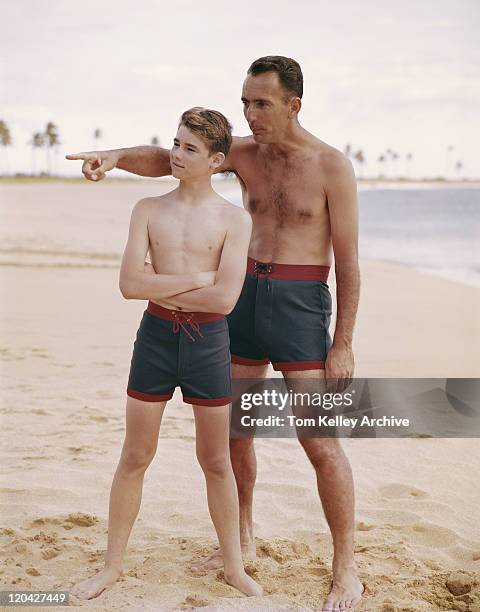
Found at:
<point>244,583</point>
<point>215,560</point>
<point>346,591</point>
<point>92,587</point>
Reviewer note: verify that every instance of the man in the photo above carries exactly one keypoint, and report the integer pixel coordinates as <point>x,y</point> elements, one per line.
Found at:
<point>301,194</point>
<point>189,232</point>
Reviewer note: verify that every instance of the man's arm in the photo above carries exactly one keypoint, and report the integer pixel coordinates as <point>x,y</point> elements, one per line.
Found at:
<point>134,283</point>
<point>343,212</point>
<point>223,295</point>
<point>142,160</point>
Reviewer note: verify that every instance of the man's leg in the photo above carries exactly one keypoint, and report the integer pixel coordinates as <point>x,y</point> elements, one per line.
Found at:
<point>142,427</point>
<point>336,491</point>
<point>212,434</point>
<point>244,463</point>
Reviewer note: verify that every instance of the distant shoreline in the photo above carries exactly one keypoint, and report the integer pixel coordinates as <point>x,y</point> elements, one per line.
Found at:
<point>365,183</point>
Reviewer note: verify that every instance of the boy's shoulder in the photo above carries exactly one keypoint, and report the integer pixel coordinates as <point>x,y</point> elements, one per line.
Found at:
<point>152,201</point>
<point>234,213</point>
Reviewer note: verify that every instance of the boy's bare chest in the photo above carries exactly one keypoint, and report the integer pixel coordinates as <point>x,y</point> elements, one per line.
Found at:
<point>193,232</point>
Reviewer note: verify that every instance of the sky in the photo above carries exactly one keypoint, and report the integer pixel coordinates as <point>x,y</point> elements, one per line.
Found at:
<point>379,74</point>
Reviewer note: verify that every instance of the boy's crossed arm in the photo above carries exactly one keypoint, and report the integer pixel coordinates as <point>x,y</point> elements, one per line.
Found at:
<point>222,296</point>
<point>134,283</point>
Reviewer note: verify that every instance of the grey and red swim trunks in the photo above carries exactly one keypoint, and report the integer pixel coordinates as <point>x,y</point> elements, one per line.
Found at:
<point>185,349</point>
<point>282,316</point>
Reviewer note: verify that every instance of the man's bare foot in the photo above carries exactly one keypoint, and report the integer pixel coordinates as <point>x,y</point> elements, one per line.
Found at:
<point>244,583</point>
<point>346,591</point>
<point>215,560</point>
<point>92,587</point>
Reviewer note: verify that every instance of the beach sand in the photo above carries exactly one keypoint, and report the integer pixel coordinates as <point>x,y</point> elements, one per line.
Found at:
<point>67,337</point>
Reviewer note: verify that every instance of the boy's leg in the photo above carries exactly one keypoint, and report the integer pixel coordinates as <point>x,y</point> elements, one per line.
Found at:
<point>244,463</point>
<point>212,425</point>
<point>142,428</point>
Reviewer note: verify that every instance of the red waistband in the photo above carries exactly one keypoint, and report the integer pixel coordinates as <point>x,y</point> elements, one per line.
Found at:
<point>288,271</point>
<point>172,315</point>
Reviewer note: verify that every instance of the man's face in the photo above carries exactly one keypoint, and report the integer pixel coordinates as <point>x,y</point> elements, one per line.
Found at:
<point>266,107</point>
<point>189,156</point>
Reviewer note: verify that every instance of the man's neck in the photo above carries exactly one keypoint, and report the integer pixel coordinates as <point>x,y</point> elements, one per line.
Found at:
<point>194,191</point>
<point>291,141</point>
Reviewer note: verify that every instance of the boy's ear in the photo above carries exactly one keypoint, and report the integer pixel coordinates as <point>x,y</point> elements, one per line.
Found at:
<point>218,159</point>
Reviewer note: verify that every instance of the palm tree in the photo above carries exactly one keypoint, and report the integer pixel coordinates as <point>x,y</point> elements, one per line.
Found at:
<point>37,142</point>
<point>155,141</point>
<point>458,167</point>
<point>395,158</point>
<point>360,158</point>
<point>52,139</point>
<point>97,134</point>
<point>381,160</point>
<point>5,141</point>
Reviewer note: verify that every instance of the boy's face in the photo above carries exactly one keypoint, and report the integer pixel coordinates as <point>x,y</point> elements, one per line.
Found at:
<point>190,157</point>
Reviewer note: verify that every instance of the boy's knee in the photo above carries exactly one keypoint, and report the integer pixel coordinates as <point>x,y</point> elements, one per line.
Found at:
<point>214,464</point>
<point>136,459</point>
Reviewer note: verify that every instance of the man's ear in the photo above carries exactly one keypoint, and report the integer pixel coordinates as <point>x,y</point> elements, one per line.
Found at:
<point>295,106</point>
<point>217,160</point>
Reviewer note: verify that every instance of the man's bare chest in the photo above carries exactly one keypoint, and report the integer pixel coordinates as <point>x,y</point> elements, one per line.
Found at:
<point>286,195</point>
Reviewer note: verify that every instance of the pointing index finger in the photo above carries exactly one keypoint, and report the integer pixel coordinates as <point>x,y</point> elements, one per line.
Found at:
<point>83,156</point>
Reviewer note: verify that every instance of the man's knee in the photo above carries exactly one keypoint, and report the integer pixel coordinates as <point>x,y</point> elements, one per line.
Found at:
<point>242,451</point>
<point>136,458</point>
<point>322,451</point>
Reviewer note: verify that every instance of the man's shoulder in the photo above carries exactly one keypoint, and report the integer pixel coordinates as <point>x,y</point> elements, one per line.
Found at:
<point>242,144</point>
<point>330,158</point>
<point>243,149</point>
<point>336,173</point>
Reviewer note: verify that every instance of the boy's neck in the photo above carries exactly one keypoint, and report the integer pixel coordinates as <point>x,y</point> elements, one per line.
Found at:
<point>195,190</point>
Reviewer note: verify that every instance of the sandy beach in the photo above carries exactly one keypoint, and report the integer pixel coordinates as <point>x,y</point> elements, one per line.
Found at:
<point>67,338</point>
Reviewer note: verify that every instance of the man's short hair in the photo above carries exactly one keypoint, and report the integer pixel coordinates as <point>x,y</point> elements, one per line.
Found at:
<point>288,70</point>
<point>211,126</point>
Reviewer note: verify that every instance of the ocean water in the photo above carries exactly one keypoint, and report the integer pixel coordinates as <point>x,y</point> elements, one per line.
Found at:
<point>433,229</point>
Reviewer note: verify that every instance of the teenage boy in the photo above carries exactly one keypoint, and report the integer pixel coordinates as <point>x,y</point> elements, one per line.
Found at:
<point>198,245</point>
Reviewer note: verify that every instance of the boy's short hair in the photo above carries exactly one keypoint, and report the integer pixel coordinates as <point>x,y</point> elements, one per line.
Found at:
<point>288,70</point>
<point>211,126</point>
